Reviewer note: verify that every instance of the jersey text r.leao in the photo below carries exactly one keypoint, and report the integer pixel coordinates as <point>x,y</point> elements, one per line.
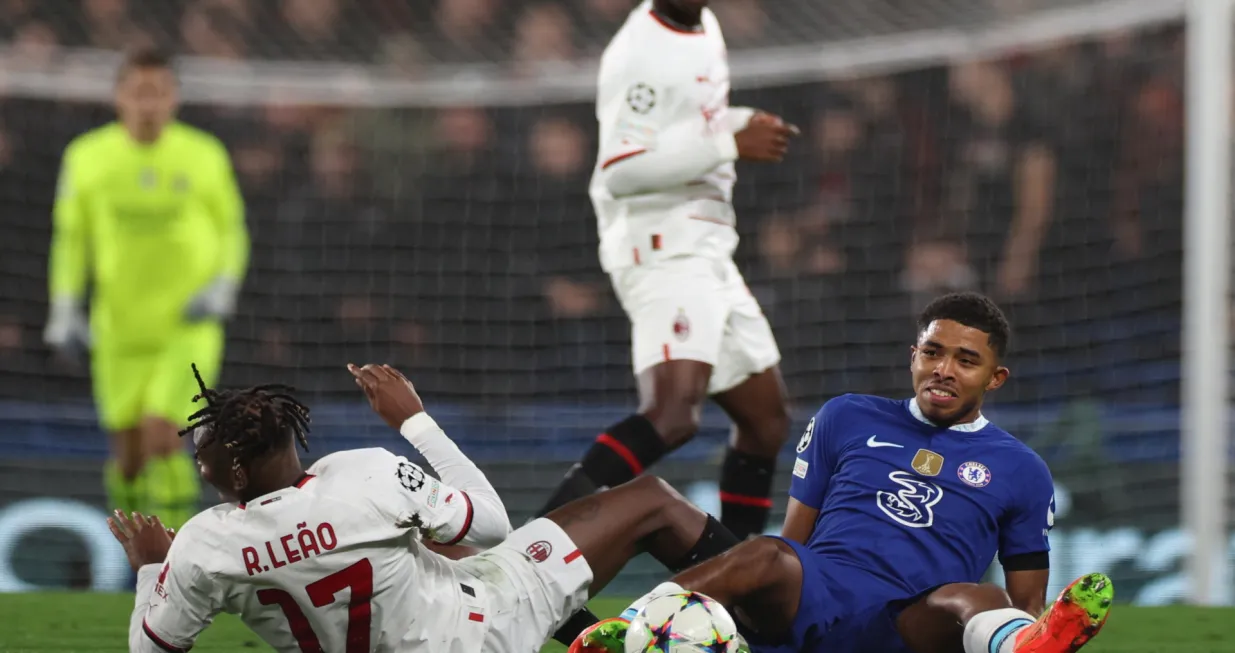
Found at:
<point>291,548</point>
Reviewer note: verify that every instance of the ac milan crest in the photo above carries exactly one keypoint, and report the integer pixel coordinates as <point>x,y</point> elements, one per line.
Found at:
<point>681,326</point>
<point>539,551</point>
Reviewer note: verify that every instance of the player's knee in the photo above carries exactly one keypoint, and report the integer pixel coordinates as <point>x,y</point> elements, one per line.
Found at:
<point>672,399</point>
<point>676,420</point>
<point>661,499</point>
<point>763,556</point>
<point>160,437</point>
<point>772,429</point>
<point>655,490</point>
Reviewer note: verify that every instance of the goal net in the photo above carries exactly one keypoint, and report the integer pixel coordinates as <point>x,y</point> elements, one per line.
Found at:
<point>415,179</point>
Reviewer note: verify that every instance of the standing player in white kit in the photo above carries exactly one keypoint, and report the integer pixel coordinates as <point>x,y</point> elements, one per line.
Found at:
<point>662,190</point>
<point>332,559</point>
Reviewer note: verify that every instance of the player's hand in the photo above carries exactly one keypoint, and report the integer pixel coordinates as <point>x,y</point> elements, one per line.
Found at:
<point>765,138</point>
<point>216,301</point>
<point>390,393</point>
<point>145,539</point>
<point>67,331</point>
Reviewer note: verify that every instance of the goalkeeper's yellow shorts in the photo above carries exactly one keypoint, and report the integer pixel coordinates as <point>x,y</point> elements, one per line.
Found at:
<point>131,385</point>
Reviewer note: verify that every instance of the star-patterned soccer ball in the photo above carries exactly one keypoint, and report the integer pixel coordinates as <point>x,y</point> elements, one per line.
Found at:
<point>686,622</point>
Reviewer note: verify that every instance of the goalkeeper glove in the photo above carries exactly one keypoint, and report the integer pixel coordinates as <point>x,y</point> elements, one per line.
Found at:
<point>216,301</point>
<point>67,331</point>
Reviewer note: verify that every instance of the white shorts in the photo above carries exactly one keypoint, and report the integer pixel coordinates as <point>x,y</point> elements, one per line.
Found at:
<point>699,309</point>
<point>535,580</point>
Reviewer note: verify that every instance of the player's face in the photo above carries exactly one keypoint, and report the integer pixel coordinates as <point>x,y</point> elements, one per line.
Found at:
<point>214,463</point>
<point>953,367</point>
<point>146,100</point>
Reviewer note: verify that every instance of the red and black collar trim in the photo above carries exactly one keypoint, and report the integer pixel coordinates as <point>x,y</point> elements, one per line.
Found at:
<point>304,478</point>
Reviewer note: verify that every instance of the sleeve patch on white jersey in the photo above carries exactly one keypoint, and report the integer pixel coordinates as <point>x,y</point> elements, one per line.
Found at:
<point>411,476</point>
<point>799,468</point>
<point>641,98</point>
<point>434,489</point>
<point>632,134</point>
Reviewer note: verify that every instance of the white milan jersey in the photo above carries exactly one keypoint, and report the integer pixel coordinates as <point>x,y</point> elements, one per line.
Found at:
<point>663,182</point>
<point>332,564</point>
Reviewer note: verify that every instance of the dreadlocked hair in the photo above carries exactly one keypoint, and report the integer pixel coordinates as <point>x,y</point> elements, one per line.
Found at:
<point>252,421</point>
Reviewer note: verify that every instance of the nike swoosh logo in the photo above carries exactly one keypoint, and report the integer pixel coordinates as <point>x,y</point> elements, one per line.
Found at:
<point>872,442</point>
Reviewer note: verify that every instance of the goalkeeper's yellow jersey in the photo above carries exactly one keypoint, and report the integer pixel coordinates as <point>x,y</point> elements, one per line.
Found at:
<point>146,227</point>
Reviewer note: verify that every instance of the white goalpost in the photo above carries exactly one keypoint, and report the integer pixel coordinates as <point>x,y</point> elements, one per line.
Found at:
<point>1206,335</point>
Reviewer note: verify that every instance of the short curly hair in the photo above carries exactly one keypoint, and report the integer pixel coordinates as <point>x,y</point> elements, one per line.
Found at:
<point>972,310</point>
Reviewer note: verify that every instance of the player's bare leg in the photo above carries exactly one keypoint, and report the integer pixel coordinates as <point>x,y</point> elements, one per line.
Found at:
<point>671,397</point>
<point>160,437</point>
<point>936,623</point>
<point>759,581</point>
<point>972,618</point>
<point>759,411</point>
<point>646,514</point>
<point>122,474</point>
<point>128,451</point>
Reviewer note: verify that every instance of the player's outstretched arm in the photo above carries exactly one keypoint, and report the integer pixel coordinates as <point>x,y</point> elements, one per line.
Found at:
<point>67,329</point>
<point>476,515</point>
<point>174,600</point>
<point>218,299</point>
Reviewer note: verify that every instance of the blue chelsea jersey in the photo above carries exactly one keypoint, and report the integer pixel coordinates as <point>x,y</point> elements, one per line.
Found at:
<point>915,505</point>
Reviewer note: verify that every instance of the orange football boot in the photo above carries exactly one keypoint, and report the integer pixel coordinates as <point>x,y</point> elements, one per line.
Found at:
<point>1074,619</point>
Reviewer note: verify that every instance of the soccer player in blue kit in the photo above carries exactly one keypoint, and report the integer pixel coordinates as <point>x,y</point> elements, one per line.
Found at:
<point>897,508</point>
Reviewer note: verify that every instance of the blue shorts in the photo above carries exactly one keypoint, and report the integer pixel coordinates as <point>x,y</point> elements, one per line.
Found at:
<point>841,610</point>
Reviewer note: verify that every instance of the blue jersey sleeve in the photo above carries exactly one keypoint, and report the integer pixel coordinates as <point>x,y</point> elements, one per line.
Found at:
<point>812,470</point>
<point>1026,526</point>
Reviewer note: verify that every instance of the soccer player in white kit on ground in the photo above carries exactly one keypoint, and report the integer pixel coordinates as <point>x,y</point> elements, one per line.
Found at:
<point>662,190</point>
<point>336,557</point>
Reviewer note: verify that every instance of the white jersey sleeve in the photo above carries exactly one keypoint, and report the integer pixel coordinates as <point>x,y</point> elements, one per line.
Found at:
<point>490,524</point>
<point>175,601</point>
<point>400,491</point>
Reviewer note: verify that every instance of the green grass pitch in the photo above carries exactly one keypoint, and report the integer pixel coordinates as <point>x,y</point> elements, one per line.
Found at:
<point>66,622</point>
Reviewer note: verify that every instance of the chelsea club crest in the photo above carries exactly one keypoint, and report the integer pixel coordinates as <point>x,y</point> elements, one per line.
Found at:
<point>975,474</point>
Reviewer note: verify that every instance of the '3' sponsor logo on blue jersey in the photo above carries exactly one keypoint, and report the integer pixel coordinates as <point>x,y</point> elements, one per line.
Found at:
<point>911,505</point>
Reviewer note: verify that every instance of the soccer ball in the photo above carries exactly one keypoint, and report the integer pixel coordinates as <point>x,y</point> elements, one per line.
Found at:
<point>683,622</point>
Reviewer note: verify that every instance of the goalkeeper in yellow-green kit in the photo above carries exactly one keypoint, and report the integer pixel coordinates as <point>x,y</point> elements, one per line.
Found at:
<point>148,214</point>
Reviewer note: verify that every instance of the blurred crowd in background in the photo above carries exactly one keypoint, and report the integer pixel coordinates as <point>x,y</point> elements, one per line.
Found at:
<point>405,33</point>
<point>459,242</point>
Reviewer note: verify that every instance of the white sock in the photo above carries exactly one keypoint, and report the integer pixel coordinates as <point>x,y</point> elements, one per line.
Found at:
<point>994,631</point>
